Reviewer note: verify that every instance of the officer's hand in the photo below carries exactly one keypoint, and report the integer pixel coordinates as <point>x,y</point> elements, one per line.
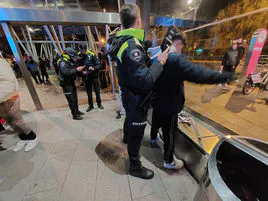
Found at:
<point>221,68</point>
<point>162,58</point>
<point>80,68</point>
<point>91,68</point>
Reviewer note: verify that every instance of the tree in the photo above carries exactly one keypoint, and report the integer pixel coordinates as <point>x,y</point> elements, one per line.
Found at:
<point>242,27</point>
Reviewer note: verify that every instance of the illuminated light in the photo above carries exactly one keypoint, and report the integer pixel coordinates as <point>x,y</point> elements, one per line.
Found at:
<point>190,1</point>
<point>200,50</point>
<point>228,136</point>
<point>102,40</point>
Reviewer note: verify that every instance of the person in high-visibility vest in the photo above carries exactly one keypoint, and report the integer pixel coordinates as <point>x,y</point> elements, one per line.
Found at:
<point>136,79</point>
<point>91,73</point>
<point>67,75</point>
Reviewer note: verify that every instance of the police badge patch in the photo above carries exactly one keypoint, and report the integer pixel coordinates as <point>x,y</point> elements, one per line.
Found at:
<point>135,55</point>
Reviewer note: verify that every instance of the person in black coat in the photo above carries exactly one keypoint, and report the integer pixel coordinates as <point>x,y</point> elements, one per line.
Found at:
<point>169,89</point>
<point>230,60</point>
<point>43,69</point>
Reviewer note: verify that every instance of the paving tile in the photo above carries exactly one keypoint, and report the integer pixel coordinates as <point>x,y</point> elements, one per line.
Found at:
<point>80,183</point>
<point>160,196</point>
<point>180,185</point>
<point>53,173</point>
<point>18,171</point>
<point>111,185</point>
<point>50,195</point>
<point>141,187</point>
<point>85,151</point>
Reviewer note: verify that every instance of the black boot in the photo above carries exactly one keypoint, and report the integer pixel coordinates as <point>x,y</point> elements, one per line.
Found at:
<point>100,106</point>
<point>77,117</point>
<point>137,170</point>
<point>80,113</point>
<point>89,108</point>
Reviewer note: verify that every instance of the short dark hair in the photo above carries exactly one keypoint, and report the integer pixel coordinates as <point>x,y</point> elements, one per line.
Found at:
<point>128,15</point>
<point>179,36</point>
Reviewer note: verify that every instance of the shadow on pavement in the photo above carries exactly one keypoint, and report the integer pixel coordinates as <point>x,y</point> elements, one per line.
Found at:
<point>212,93</point>
<point>239,102</point>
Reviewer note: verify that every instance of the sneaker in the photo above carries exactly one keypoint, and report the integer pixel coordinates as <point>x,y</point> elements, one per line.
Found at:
<point>118,116</point>
<point>174,165</point>
<point>156,139</point>
<point>31,144</point>
<point>20,144</point>
<point>220,85</point>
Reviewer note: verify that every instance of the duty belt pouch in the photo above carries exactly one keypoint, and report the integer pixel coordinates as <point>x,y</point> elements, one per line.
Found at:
<point>145,102</point>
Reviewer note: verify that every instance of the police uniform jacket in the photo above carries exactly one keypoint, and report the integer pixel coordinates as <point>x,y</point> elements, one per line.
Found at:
<point>133,71</point>
<point>90,59</point>
<point>67,70</point>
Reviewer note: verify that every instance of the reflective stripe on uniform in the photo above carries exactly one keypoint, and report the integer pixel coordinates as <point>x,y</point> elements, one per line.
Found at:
<point>66,57</point>
<point>124,46</point>
<point>121,50</point>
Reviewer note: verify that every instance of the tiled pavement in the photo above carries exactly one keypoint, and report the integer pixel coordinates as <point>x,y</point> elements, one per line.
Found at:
<point>84,161</point>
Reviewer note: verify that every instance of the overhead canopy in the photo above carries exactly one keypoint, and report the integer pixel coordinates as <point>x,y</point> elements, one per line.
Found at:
<point>34,16</point>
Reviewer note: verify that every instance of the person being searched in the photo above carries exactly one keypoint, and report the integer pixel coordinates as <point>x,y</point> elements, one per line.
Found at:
<point>10,109</point>
<point>67,74</point>
<point>136,79</point>
<point>170,98</point>
<point>91,73</point>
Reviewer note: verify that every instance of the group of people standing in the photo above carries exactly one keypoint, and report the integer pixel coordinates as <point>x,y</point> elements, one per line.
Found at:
<point>138,76</point>
<point>34,68</point>
<point>70,65</point>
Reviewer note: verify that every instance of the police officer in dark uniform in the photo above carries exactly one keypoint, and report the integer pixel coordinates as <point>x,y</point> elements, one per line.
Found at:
<point>67,75</point>
<point>136,79</point>
<point>91,73</point>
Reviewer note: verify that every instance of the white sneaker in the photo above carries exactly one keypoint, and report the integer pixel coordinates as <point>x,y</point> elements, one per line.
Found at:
<point>31,144</point>
<point>220,85</point>
<point>20,144</point>
<point>174,165</point>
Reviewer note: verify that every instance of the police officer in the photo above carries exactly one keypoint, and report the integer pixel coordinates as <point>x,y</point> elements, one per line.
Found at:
<point>67,75</point>
<point>170,98</point>
<point>91,73</point>
<point>135,80</point>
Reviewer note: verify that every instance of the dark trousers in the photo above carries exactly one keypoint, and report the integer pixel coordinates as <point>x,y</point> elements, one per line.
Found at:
<point>93,82</point>
<point>103,80</point>
<point>44,75</point>
<point>36,76</point>
<point>229,69</point>
<point>134,124</point>
<point>169,125</point>
<point>71,96</point>
<point>155,125</point>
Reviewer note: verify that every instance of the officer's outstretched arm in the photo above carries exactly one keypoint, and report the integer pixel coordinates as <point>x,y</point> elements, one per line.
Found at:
<point>142,77</point>
<point>66,69</point>
<point>198,73</point>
